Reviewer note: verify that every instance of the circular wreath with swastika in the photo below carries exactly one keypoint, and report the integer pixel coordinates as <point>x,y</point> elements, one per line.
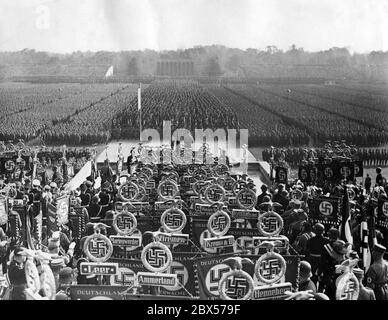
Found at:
<point>328,172</point>
<point>242,284</point>
<point>156,257</point>
<point>200,173</point>
<point>270,267</point>
<point>238,186</point>
<point>128,191</point>
<point>167,189</point>
<point>221,169</point>
<point>124,223</point>
<point>98,248</point>
<point>326,208</point>
<point>32,276</point>
<point>246,198</point>
<point>212,191</point>
<point>348,287</point>
<point>270,220</point>
<point>219,223</point>
<point>9,165</point>
<point>173,220</point>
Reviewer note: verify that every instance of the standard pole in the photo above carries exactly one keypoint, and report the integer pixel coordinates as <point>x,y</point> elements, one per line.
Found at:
<point>139,107</point>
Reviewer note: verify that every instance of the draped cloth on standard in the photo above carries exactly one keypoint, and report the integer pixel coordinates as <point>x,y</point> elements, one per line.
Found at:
<point>80,177</point>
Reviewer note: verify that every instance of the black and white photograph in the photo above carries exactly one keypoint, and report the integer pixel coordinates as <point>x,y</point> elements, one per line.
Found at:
<point>194,151</point>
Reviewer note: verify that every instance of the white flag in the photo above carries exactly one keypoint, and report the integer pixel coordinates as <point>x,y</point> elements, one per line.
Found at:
<point>109,73</point>
<point>80,177</point>
<point>139,98</point>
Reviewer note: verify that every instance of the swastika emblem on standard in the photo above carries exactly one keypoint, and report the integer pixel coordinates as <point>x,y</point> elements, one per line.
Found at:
<point>245,198</point>
<point>156,257</point>
<point>98,248</point>
<point>270,224</point>
<point>270,268</point>
<point>282,175</point>
<point>125,277</point>
<point>348,291</point>
<point>219,223</point>
<point>182,273</point>
<point>9,165</point>
<point>124,222</point>
<point>215,194</point>
<point>214,276</point>
<point>326,208</point>
<point>328,172</point>
<point>345,171</point>
<point>128,191</point>
<point>236,287</point>
<point>385,208</point>
<point>173,220</point>
<point>168,190</point>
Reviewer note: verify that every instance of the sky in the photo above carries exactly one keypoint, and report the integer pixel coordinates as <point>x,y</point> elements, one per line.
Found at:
<point>80,25</point>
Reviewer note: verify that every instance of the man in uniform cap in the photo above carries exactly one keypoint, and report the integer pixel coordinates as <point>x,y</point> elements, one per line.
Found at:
<point>315,249</point>
<point>85,197</point>
<point>365,293</point>
<point>305,275</point>
<point>264,192</point>
<point>57,176</point>
<point>94,209</point>
<point>89,190</point>
<point>66,278</point>
<point>35,194</point>
<point>377,274</point>
<point>17,274</point>
<point>333,255</point>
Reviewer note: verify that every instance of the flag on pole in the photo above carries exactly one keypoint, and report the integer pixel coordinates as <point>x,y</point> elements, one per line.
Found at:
<point>109,72</point>
<point>364,248</point>
<point>345,229</point>
<point>139,98</point>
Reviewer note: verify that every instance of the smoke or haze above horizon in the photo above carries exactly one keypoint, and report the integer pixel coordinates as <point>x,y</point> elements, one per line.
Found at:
<point>114,25</point>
